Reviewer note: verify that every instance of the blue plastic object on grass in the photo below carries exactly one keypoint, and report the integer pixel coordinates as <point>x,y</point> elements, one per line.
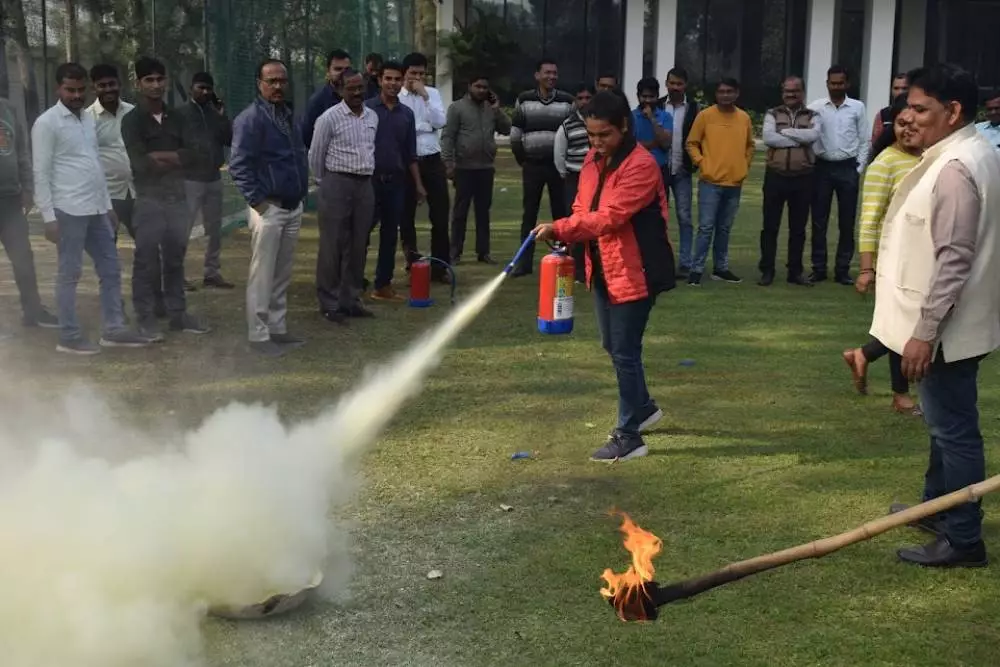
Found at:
<point>520,455</point>
<point>687,362</point>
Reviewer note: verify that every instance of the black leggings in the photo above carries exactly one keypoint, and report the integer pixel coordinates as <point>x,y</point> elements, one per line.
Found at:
<point>874,349</point>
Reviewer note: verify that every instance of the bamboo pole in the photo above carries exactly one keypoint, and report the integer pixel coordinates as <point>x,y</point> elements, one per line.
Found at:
<point>641,606</point>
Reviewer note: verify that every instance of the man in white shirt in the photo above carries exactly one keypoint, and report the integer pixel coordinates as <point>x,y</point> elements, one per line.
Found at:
<point>429,112</point>
<point>841,157</point>
<point>72,196</point>
<point>108,110</point>
<point>990,128</point>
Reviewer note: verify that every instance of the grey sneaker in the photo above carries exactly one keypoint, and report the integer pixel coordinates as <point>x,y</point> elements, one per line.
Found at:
<point>124,338</point>
<point>268,348</point>
<point>150,330</point>
<point>287,340</point>
<point>189,324</point>
<point>620,447</point>
<point>651,421</point>
<point>80,346</point>
<point>43,319</point>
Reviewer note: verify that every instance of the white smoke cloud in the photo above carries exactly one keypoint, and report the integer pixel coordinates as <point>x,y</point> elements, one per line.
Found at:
<point>114,542</point>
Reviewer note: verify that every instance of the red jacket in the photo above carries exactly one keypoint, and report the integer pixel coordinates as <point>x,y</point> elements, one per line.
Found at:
<point>629,222</point>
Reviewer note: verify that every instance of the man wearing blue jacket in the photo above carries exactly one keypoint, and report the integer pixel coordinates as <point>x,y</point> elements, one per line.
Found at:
<point>269,167</point>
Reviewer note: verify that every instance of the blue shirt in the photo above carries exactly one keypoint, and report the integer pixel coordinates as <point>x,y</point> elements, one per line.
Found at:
<point>396,139</point>
<point>644,131</point>
<point>323,99</point>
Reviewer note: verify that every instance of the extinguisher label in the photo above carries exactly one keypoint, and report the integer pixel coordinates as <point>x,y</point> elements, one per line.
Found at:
<point>562,308</point>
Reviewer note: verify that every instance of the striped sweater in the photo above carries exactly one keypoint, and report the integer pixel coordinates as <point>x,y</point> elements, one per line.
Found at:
<point>881,179</point>
<point>535,122</point>
<point>572,145</point>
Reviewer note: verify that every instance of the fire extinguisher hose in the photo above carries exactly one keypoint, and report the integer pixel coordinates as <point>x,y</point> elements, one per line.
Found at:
<point>520,251</point>
<point>451,272</point>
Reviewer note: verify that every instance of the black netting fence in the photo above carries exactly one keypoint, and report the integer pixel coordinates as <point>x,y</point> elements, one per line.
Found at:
<point>226,37</point>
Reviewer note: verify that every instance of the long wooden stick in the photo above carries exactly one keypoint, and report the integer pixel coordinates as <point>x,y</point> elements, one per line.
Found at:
<point>656,596</point>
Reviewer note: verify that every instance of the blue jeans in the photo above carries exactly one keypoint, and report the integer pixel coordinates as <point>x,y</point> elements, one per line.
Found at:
<point>681,185</point>
<point>93,234</point>
<point>622,326</point>
<point>948,397</point>
<point>390,199</point>
<point>717,206</point>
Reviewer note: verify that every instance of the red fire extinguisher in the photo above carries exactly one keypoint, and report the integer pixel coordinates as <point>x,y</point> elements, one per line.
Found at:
<point>420,282</point>
<point>555,292</point>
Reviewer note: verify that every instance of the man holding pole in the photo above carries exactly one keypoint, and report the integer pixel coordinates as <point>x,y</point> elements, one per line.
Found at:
<point>938,295</point>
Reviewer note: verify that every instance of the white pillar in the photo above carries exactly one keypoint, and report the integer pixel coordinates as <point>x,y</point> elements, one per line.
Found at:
<point>666,38</point>
<point>822,20</point>
<point>635,16</point>
<point>445,23</point>
<point>876,63</point>
<point>912,34</point>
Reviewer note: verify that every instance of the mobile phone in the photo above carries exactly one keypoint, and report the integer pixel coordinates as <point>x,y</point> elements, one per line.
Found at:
<point>492,97</point>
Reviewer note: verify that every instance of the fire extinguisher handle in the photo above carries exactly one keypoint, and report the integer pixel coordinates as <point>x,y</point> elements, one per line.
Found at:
<point>520,251</point>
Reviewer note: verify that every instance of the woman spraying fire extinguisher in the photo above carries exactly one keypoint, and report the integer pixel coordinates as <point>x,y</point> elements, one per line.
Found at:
<point>620,212</point>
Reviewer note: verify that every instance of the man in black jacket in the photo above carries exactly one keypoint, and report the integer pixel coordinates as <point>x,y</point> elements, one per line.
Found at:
<point>682,169</point>
<point>538,115</point>
<point>207,131</point>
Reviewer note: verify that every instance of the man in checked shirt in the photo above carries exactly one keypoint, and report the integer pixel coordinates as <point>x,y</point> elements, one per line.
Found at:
<point>342,159</point>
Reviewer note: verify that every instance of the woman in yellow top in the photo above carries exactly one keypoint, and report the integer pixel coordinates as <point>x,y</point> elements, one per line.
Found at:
<point>892,159</point>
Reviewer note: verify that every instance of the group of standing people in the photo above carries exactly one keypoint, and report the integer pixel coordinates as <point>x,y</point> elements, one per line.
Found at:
<point>148,167</point>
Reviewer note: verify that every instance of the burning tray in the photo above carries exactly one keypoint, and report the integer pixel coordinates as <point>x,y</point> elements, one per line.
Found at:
<point>272,606</point>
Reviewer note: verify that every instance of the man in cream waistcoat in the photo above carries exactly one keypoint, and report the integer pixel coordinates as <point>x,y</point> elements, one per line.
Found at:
<point>938,295</point>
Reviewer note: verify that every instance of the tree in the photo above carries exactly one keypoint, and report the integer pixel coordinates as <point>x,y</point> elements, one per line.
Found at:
<point>484,46</point>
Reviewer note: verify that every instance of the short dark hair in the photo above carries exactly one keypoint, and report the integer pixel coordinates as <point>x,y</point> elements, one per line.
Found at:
<point>611,106</point>
<point>728,81</point>
<point>650,83</point>
<point>73,71</point>
<point>203,77</point>
<point>607,75</point>
<point>414,60</point>
<point>581,87</point>
<point>268,61</point>
<point>947,82</point>
<point>542,62</point>
<point>336,54</point>
<point>900,75</point>
<point>373,58</point>
<point>992,95</point>
<point>838,69</point>
<point>478,76</point>
<point>678,72</point>
<point>103,71</point>
<point>147,66</point>
<point>391,65</point>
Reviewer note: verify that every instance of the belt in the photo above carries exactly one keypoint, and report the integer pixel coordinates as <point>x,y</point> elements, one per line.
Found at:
<point>433,156</point>
<point>356,177</point>
<point>844,161</point>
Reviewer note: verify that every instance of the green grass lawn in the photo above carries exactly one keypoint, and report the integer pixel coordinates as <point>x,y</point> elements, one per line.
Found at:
<point>764,446</point>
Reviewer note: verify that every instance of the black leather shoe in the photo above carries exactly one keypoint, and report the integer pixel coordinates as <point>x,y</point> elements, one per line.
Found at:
<point>335,316</point>
<point>356,310</point>
<point>485,259</point>
<point>800,280</point>
<point>817,277</point>
<point>933,525</point>
<point>766,279</point>
<point>940,553</point>
<point>844,280</point>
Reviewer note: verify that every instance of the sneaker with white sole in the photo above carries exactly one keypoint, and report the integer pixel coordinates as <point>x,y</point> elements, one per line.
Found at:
<point>124,338</point>
<point>43,319</point>
<point>620,447</point>
<point>80,346</point>
<point>727,276</point>
<point>651,421</point>
<point>189,324</point>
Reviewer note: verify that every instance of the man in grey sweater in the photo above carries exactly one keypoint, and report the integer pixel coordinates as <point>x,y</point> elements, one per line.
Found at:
<point>470,151</point>
<point>15,200</point>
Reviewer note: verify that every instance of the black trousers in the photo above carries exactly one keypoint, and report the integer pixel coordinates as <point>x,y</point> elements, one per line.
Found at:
<point>572,183</point>
<point>840,178</point>
<point>873,350</point>
<point>473,187</point>
<point>535,177</point>
<point>797,193</point>
<point>435,178</point>
<point>14,234</point>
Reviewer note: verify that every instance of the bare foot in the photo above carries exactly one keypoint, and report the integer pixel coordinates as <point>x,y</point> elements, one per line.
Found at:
<point>856,361</point>
<point>903,404</point>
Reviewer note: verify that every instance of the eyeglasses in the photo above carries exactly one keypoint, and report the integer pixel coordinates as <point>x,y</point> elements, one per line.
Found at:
<point>274,82</point>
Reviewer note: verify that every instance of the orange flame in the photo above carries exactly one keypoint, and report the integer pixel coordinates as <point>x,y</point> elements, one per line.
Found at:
<point>625,589</point>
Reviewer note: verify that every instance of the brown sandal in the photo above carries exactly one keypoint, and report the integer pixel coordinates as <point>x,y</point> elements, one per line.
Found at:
<point>860,380</point>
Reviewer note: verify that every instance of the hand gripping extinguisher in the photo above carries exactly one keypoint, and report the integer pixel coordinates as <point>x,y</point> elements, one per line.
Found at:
<point>555,292</point>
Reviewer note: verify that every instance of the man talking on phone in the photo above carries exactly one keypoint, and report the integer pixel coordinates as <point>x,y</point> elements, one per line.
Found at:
<point>654,126</point>
<point>469,151</point>
<point>206,131</point>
